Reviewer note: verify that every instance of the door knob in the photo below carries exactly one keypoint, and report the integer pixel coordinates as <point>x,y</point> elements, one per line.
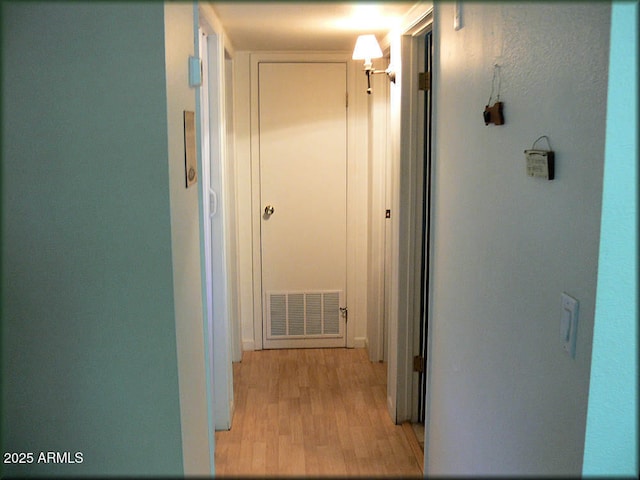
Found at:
<point>268,210</point>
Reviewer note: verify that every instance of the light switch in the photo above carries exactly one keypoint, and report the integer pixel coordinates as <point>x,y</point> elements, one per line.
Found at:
<point>569,324</point>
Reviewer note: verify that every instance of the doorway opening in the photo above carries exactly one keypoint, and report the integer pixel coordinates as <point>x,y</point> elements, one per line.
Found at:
<point>420,292</point>
<point>302,129</point>
<point>305,200</point>
<point>426,45</point>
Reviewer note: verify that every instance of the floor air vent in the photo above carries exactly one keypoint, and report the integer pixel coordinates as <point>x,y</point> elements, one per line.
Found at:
<point>303,315</point>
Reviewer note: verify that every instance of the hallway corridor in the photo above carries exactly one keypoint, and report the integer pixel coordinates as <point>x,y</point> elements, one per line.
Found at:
<point>312,412</point>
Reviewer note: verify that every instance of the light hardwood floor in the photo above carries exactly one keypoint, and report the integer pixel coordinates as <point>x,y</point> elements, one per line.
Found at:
<point>312,412</point>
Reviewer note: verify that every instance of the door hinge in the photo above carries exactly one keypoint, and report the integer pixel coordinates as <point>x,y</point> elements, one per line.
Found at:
<point>418,364</point>
<point>345,313</point>
<point>424,81</point>
<point>346,99</point>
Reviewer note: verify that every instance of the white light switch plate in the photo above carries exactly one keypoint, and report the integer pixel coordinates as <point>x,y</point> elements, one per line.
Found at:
<point>569,324</point>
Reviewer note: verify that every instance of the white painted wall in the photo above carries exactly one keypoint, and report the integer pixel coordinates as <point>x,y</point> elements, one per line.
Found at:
<point>185,241</point>
<point>232,242</point>
<point>378,124</point>
<point>357,206</point>
<point>242,130</point>
<point>505,398</point>
<point>392,246</point>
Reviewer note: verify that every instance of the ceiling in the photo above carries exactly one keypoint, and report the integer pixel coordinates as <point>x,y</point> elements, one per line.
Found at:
<point>319,26</point>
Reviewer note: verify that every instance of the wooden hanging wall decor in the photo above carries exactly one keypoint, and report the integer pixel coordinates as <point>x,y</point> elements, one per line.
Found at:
<point>190,157</point>
<point>494,113</point>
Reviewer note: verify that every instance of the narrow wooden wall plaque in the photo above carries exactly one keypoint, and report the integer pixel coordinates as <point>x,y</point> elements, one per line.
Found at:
<point>190,157</point>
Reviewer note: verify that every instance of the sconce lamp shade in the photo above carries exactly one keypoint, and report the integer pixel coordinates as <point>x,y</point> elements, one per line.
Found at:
<point>367,47</point>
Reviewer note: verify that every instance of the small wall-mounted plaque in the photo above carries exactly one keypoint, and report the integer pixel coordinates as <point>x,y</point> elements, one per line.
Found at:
<point>540,163</point>
<point>190,158</point>
<point>494,114</point>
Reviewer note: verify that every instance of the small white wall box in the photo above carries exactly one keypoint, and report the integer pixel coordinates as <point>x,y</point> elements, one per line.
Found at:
<point>540,163</point>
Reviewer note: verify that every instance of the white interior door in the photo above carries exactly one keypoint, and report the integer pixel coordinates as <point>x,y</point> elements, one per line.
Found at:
<point>303,190</point>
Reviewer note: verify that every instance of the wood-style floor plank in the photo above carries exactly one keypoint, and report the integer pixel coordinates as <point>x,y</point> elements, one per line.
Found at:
<point>312,412</point>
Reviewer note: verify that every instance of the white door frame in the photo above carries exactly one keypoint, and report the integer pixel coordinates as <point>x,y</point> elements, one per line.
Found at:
<point>316,265</point>
<point>406,193</point>
<point>235,308</point>
<point>213,186</point>
<point>352,189</point>
<point>420,46</point>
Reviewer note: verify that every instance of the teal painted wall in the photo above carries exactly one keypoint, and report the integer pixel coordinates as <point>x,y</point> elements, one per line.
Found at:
<point>88,333</point>
<point>611,444</point>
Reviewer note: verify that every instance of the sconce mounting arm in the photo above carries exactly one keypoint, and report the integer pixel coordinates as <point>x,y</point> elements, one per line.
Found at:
<point>372,71</point>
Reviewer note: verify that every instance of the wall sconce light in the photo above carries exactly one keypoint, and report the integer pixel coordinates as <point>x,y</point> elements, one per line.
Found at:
<point>366,49</point>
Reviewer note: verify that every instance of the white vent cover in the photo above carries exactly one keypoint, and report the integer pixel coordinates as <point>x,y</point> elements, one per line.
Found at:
<point>303,314</point>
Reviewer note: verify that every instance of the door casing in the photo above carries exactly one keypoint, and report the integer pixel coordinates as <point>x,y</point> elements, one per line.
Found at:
<point>411,160</point>
<point>214,191</point>
<point>403,272</point>
<point>356,190</point>
<point>303,159</point>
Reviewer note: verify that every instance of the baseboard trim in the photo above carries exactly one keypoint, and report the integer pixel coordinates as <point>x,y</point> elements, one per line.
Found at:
<point>359,342</point>
<point>413,443</point>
